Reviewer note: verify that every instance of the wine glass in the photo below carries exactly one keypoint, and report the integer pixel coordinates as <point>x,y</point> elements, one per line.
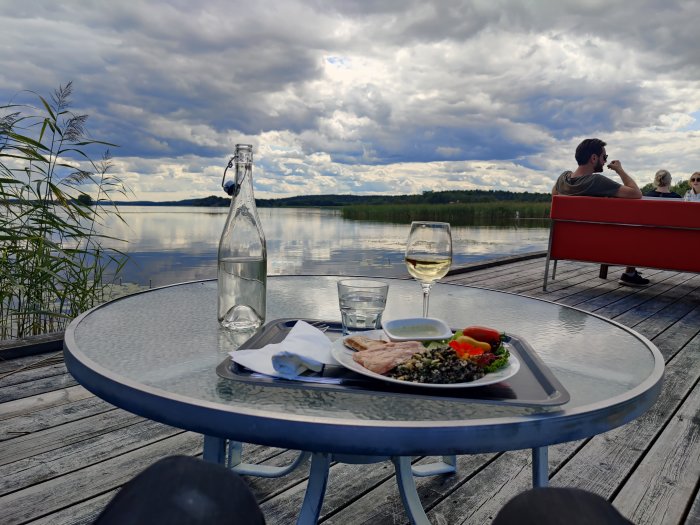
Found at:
<point>428,254</point>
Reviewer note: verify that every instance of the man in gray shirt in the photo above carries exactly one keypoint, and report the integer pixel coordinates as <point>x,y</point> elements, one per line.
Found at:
<point>589,181</point>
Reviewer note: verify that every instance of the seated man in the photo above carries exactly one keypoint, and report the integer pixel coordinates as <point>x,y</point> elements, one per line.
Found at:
<point>589,181</point>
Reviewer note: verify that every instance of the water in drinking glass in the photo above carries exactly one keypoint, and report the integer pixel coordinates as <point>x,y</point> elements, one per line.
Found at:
<point>428,254</point>
<point>362,303</point>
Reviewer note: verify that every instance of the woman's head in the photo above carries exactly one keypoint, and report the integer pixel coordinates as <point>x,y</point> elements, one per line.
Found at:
<point>695,182</point>
<point>662,178</point>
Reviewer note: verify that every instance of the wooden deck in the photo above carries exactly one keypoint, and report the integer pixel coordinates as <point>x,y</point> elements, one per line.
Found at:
<point>65,453</point>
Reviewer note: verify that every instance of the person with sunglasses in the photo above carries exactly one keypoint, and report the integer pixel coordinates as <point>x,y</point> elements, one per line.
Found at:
<point>693,194</point>
<point>589,181</point>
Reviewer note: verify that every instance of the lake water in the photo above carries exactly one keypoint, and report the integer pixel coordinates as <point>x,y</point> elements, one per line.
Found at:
<point>175,244</point>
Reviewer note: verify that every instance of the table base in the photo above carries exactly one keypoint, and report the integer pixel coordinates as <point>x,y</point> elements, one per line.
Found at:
<point>215,451</point>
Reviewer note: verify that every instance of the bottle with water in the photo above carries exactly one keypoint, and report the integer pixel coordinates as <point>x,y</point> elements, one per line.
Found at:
<point>242,251</point>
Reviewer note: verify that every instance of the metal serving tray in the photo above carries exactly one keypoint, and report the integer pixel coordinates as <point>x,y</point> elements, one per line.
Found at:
<point>533,385</point>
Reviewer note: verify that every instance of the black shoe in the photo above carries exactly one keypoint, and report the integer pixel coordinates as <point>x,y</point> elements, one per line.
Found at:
<point>633,280</point>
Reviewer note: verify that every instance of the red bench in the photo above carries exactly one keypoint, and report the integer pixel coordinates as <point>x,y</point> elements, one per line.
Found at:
<point>652,233</point>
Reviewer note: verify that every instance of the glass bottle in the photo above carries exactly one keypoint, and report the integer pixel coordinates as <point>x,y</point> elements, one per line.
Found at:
<point>242,252</point>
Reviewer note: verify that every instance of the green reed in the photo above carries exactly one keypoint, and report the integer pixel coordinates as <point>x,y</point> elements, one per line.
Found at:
<point>52,262</point>
<point>457,214</point>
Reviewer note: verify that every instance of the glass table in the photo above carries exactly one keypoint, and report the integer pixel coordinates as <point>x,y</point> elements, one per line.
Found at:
<point>155,354</point>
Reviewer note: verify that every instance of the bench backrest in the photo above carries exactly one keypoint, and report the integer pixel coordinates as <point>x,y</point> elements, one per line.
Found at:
<point>655,233</point>
<point>672,213</point>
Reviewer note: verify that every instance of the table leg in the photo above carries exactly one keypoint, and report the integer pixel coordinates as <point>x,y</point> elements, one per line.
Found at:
<point>235,463</point>
<point>448,465</point>
<point>318,478</point>
<point>408,492</point>
<point>214,450</point>
<point>540,467</point>
<point>315,489</point>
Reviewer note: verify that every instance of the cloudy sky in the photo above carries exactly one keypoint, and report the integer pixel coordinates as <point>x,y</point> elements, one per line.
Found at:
<point>389,96</point>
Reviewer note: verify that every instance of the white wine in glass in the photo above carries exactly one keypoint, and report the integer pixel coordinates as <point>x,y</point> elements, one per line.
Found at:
<point>428,254</point>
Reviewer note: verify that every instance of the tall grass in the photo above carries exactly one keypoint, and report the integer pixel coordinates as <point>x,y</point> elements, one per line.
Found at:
<point>457,214</point>
<point>52,262</point>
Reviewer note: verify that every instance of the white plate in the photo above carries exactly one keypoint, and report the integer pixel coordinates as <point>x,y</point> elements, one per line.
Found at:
<point>420,328</point>
<point>343,355</point>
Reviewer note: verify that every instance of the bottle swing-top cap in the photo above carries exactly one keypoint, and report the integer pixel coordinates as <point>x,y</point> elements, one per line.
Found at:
<point>244,155</point>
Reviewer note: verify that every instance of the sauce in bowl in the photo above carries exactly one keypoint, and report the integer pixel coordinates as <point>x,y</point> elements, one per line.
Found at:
<point>416,328</point>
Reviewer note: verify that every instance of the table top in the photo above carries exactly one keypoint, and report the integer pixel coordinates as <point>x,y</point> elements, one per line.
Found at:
<point>155,354</point>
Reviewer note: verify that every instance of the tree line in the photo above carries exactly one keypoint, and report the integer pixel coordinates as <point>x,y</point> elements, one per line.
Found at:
<point>332,200</point>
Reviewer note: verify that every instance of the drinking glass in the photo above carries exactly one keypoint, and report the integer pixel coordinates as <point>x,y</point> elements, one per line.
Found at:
<point>428,254</point>
<point>362,303</point>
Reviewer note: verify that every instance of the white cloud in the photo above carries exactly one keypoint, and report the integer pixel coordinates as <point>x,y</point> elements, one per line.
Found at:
<point>366,97</point>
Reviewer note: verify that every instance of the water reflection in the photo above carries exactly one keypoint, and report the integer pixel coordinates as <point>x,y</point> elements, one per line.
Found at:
<point>175,244</point>
<point>573,320</point>
<point>229,341</point>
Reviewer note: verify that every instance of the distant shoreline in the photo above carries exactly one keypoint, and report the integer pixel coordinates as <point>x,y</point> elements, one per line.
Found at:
<point>457,213</point>
<point>427,197</point>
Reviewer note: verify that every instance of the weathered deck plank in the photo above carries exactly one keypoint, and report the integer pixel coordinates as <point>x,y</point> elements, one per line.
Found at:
<point>33,388</point>
<point>28,405</point>
<point>76,456</point>
<point>83,513</point>
<point>56,437</point>
<point>29,423</point>
<point>606,461</point>
<point>17,364</point>
<point>58,493</point>
<point>694,513</point>
<point>383,505</point>
<point>660,487</point>
<point>31,375</point>
<point>65,453</point>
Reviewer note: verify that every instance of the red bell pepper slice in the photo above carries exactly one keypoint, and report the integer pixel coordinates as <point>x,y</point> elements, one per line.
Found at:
<point>465,349</point>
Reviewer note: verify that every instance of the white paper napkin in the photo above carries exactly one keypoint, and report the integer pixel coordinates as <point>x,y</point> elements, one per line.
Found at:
<point>305,348</point>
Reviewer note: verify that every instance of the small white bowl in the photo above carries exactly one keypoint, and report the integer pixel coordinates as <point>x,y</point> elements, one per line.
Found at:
<point>416,329</point>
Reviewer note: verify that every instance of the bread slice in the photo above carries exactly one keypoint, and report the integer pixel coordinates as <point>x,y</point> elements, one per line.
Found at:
<point>361,343</point>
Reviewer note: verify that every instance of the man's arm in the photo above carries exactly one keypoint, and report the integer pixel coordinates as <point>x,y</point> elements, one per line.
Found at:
<point>629,188</point>
<point>555,191</point>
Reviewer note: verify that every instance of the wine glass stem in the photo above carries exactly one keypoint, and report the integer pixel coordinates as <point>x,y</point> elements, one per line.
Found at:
<point>426,297</point>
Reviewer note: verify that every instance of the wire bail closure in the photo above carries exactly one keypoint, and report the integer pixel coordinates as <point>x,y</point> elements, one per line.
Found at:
<point>229,187</point>
<point>244,155</point>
